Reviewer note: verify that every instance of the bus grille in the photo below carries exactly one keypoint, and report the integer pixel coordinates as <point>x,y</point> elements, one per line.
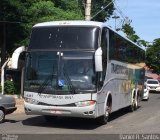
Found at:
<point>66,105</point>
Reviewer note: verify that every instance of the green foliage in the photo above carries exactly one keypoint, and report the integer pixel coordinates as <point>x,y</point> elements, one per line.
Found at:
<point>9,87</point>
<point>153,51</point>
<point>46,11</point>
<point>143,43</point>
<point>22,15</point>
<point>66,5</point>
<point>130,32</point>
<point>153,56</point>
<point>10,11</point>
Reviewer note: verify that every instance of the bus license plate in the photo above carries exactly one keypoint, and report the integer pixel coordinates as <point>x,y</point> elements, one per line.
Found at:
<point>56,112</point>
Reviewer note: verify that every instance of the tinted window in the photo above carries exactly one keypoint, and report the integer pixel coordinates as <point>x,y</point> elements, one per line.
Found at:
<point>123,50</point>
<point>64,38</point>
<point>152,82</point>
<point>104,54</point>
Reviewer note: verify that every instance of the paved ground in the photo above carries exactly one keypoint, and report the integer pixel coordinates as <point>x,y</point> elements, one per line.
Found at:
<point>144,120</point>
<point>20,106</point>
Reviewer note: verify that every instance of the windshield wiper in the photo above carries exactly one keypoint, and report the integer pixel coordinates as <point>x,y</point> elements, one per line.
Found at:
<point>72,88</point>
<point>45,83</point>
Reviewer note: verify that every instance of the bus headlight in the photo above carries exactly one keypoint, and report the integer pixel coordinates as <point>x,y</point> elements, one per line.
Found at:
<point>31,101</point>
<point>85,103</point>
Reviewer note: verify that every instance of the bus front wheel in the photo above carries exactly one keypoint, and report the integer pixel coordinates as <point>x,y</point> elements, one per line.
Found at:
<point>104,119</point>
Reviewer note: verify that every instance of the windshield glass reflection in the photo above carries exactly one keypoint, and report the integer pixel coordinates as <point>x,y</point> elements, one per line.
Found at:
<point>48,73</point>
<point>80,71</point>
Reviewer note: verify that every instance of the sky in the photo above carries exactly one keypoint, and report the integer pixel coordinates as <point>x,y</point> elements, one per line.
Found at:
<point>143,14</point>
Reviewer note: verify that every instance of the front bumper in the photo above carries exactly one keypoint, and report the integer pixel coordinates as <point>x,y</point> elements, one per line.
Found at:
<point>155,89</point>
<point>83,112</point>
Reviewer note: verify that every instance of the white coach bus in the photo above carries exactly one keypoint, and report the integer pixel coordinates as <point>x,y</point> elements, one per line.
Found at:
<point>56,82</point>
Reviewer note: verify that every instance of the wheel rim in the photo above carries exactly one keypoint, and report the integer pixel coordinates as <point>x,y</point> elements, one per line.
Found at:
<point>1,115</point>
<point>107,113</point>
<point>134,104</point>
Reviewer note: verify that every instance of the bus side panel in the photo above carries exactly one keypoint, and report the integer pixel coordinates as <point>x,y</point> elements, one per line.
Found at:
<point>118,84</point>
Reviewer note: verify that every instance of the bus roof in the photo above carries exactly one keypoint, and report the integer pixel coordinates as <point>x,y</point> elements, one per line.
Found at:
<point>69,23</point>
<point>83,23</point>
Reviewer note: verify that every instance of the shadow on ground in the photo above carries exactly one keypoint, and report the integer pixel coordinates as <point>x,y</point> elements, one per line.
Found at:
<point>10,121</point>
<point>71,123</point>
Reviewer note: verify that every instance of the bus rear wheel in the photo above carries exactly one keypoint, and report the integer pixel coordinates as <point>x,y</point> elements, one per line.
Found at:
<point>134,104</point>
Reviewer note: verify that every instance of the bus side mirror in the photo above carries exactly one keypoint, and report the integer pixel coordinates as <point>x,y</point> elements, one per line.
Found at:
<point>15,57</point>
<point>98,60</point>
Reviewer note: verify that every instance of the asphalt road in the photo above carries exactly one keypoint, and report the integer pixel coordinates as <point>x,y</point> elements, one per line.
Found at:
<point>144,120</point>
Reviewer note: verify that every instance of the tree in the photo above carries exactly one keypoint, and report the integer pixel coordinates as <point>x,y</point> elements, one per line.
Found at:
<point>9,26</point>
<point>153,56</point>
<point>143,43</point>
<point>20,16</point>
<point>42,11</point>
<point>130,33</point>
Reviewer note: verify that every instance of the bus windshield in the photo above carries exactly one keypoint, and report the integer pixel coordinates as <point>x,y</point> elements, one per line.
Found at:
<point>48,73</point>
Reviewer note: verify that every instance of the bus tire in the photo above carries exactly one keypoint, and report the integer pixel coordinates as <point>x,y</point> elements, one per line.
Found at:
<point>134,104</point>
<point>104,119</point>
<point>2,115</point>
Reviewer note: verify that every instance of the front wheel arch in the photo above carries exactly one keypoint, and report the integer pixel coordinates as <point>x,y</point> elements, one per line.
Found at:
<point>107,110</point>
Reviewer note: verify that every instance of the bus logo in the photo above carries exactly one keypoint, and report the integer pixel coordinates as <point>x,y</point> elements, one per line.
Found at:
<point>61,83</point>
